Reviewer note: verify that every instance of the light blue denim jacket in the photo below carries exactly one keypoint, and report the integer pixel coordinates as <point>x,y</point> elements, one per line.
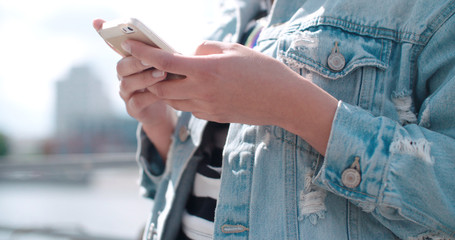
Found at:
<point>389,167</point>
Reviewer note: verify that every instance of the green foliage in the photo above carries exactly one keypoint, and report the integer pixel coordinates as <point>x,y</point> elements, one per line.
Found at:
<point>4,146</point>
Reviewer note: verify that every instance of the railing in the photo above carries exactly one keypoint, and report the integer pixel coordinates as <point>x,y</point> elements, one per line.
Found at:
<point>56,169</point>
<point>72,167</point>
<point>51,233</point>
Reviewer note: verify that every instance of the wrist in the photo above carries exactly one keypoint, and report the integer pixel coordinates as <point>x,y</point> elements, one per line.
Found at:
<point>160,133</point>
<point>309,113</point>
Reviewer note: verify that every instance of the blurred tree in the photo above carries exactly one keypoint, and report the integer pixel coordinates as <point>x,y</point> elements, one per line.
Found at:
<point>4,146</point>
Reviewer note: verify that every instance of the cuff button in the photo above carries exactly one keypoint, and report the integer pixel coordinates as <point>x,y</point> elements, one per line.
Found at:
<point>351,177</point>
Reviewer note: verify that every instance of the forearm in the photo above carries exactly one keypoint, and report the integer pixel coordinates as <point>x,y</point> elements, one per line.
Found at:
<point>160,134</point>
<point>307,111</point>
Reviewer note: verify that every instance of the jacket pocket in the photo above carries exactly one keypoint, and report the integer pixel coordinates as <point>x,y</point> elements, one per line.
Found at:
<point>312,47</point>
<point>347,65</point>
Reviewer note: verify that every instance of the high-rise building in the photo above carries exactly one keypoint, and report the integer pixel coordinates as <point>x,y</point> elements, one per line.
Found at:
<point>80,99</point>
<point>85,122</point>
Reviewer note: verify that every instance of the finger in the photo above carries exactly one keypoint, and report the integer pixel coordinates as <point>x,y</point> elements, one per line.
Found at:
<point>177,89</point>
<point>184,105</point>
<point>163,60</point>
<point>139,101</point>
<point>130,65</point>
<point>137,82</point>
<point>98,24</point>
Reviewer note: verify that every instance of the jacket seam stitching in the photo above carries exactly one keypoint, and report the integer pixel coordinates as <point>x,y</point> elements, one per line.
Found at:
<point>297,146</point>
<point>375,32</point>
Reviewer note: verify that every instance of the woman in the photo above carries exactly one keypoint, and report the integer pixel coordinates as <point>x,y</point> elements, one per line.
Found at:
<point>341,121</point>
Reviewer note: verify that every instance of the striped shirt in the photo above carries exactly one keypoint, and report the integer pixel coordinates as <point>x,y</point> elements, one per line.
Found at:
<point>198,218</point>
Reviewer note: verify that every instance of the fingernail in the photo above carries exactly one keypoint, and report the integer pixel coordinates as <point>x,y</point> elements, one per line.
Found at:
<point>145,64</point>
<point>126,47</point>
<point>157,73</point>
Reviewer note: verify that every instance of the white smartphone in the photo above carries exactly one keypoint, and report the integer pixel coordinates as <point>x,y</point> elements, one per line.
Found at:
<point>116,31</point>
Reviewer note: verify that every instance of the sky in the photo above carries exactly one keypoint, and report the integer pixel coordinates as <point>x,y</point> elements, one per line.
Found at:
<point>40,41</point>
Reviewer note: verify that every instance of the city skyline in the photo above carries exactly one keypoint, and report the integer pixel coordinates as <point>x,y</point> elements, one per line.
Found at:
<point>84,118</point>
<point>49,42</point>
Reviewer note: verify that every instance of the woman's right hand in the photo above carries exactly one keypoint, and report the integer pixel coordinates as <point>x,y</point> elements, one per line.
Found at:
<point>140,103</point>
<point>157,118</point>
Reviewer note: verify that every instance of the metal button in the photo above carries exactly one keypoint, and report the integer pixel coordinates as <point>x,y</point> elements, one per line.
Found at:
<point>336,60</point>
<point>351,177</point>
<point>183,133</point>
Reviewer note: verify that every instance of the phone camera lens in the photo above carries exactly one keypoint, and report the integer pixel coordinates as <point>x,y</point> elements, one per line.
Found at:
<point>128,30</point>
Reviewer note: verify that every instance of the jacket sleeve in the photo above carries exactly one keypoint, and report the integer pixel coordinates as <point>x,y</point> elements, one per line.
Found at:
<point>233,18</point>
<point>151,164</point>
<point>406,172</point>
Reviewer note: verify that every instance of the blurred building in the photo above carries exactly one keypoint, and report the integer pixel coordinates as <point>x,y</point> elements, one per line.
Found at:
<point>85,121</point>
<point>80,99</point>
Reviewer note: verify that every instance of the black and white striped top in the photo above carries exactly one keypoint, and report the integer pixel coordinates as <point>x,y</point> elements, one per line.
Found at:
<point>198,218</point>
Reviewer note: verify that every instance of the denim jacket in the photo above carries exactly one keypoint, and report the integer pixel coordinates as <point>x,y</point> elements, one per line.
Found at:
<point>389,167</point>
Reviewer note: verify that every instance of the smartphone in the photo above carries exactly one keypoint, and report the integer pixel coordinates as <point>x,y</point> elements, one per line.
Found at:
<point>117,31</point>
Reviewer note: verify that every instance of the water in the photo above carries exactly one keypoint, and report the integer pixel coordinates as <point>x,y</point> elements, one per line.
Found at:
<point>107,206</point>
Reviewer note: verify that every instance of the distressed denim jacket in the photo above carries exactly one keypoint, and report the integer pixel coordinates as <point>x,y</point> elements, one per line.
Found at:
<point>389,167</point>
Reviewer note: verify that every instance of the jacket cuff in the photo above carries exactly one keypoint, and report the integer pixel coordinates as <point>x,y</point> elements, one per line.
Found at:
<point>349,168</point>
<point>150,163</point>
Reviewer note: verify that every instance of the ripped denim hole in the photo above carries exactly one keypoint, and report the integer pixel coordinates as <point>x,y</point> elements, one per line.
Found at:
<point>312,205</point>
<point>425,118</point>
<point>311,201</point>
<point>419,148</point>
<point>404,106</point>
<point>431,236</point>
